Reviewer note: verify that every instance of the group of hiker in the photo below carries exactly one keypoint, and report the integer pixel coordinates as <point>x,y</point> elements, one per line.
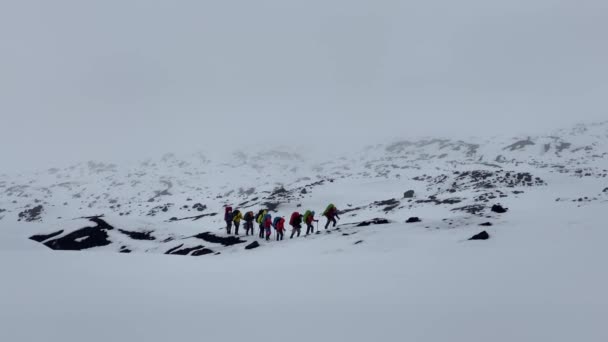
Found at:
<point>266,222</point>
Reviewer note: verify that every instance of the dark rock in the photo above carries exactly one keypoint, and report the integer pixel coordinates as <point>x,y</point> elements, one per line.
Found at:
<point>471,209</point>
<point>84,238</point>
<point>481,236</point>
<point>185,251</point>
<point>373,222</point>
<point>125,250</point>
<point>252,245</point>
<point>193,218</point>
<point>497,208</point>
<point>146,235</point>
<point>409,194</point>
<point>605,190</point>
<point>358,242</point>
<point>271,206</point>
<point>304,192</point>
<point>199,207</point>
<point>413,220</point>
<point>520,145</point>
<point>42,237</point>
<point>390,204</point>
<point>203,251</point>
<point>223,240</point>
<point>174,249</point>
<point>31,215</point>
<point>486,224</point>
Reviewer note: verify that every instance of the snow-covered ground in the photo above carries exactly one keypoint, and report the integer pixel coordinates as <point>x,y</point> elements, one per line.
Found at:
<point>540,277</point>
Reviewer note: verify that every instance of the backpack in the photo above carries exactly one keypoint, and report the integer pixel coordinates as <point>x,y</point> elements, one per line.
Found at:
<point>235,214</point>
<point>249,216</point>
<point>294,218</point>
<point>307,214</point>
<point>228,209</point>
<point>330,208</point>
<point>276,221</point>
<point>260,216</point>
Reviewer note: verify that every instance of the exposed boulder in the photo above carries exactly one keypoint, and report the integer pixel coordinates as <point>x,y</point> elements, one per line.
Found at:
<point>252,245</point>
<point>605,190</point>
<point>481,236</point>
<point>358,242</point>
<point>486,224</point>
<point>84,238</point>
<point>409,194</point>
<point>413,220</point>
<point>497,208</point>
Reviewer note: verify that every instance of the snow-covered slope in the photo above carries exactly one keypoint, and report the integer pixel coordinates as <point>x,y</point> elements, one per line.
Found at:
<point>175,203</point>
<point>539,277</point>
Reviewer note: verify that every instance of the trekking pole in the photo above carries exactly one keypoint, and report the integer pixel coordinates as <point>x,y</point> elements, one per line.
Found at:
<point>317,225</point>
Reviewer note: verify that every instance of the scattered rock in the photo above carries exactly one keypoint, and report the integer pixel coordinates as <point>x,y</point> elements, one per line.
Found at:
<point>481,236</point>
<point>145,235</point>
<point>486,224</point>
<point>252,245</point>
<point>390,204</point>
<point>373,222</point>
<point>199,207</point>
<point>497,208</point>
<point>223,240</point>
<point>303,192</point>
<point>605,190</point>
<point>31,215</point>
<point>358,242</point>
<point>471,209</point>
<point>409,194</point>
<point>413,220</point>
<point>202,251</point>
<point>124,249</point>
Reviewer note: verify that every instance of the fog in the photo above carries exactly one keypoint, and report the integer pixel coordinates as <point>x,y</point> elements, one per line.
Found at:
<point>124,79</point>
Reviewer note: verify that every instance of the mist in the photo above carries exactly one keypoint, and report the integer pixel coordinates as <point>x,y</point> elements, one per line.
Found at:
<point>116,80</point>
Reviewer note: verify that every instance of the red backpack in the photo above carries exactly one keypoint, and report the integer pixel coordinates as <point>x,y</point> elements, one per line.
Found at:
<point>294,217</point>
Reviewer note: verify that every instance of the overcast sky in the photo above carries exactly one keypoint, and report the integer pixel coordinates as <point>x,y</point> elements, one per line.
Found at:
<point>109,79</point>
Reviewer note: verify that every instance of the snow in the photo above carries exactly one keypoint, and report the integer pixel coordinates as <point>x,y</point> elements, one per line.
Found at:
<point>540,277</point>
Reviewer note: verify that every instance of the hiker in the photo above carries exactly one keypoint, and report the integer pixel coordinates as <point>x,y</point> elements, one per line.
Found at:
<point>296,224</point>
<point>279,227</point>
<point>249,218</point>
<point>236,218</point>
<point>259,218</point>
<point>267,221</point>
<point>309,218</point>
<point>228,219</point>
<point>331,212</point>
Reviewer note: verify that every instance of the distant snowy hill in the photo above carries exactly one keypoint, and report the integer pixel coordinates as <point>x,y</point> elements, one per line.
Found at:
<point>174,204</point>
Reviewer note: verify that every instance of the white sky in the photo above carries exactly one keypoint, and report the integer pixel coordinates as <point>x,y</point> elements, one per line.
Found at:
<point>112,79</point>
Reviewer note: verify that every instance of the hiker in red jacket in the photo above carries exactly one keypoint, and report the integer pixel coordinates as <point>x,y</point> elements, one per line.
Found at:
<point>279,226</point>
<point>267,223</point>
<point>296,224</point>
